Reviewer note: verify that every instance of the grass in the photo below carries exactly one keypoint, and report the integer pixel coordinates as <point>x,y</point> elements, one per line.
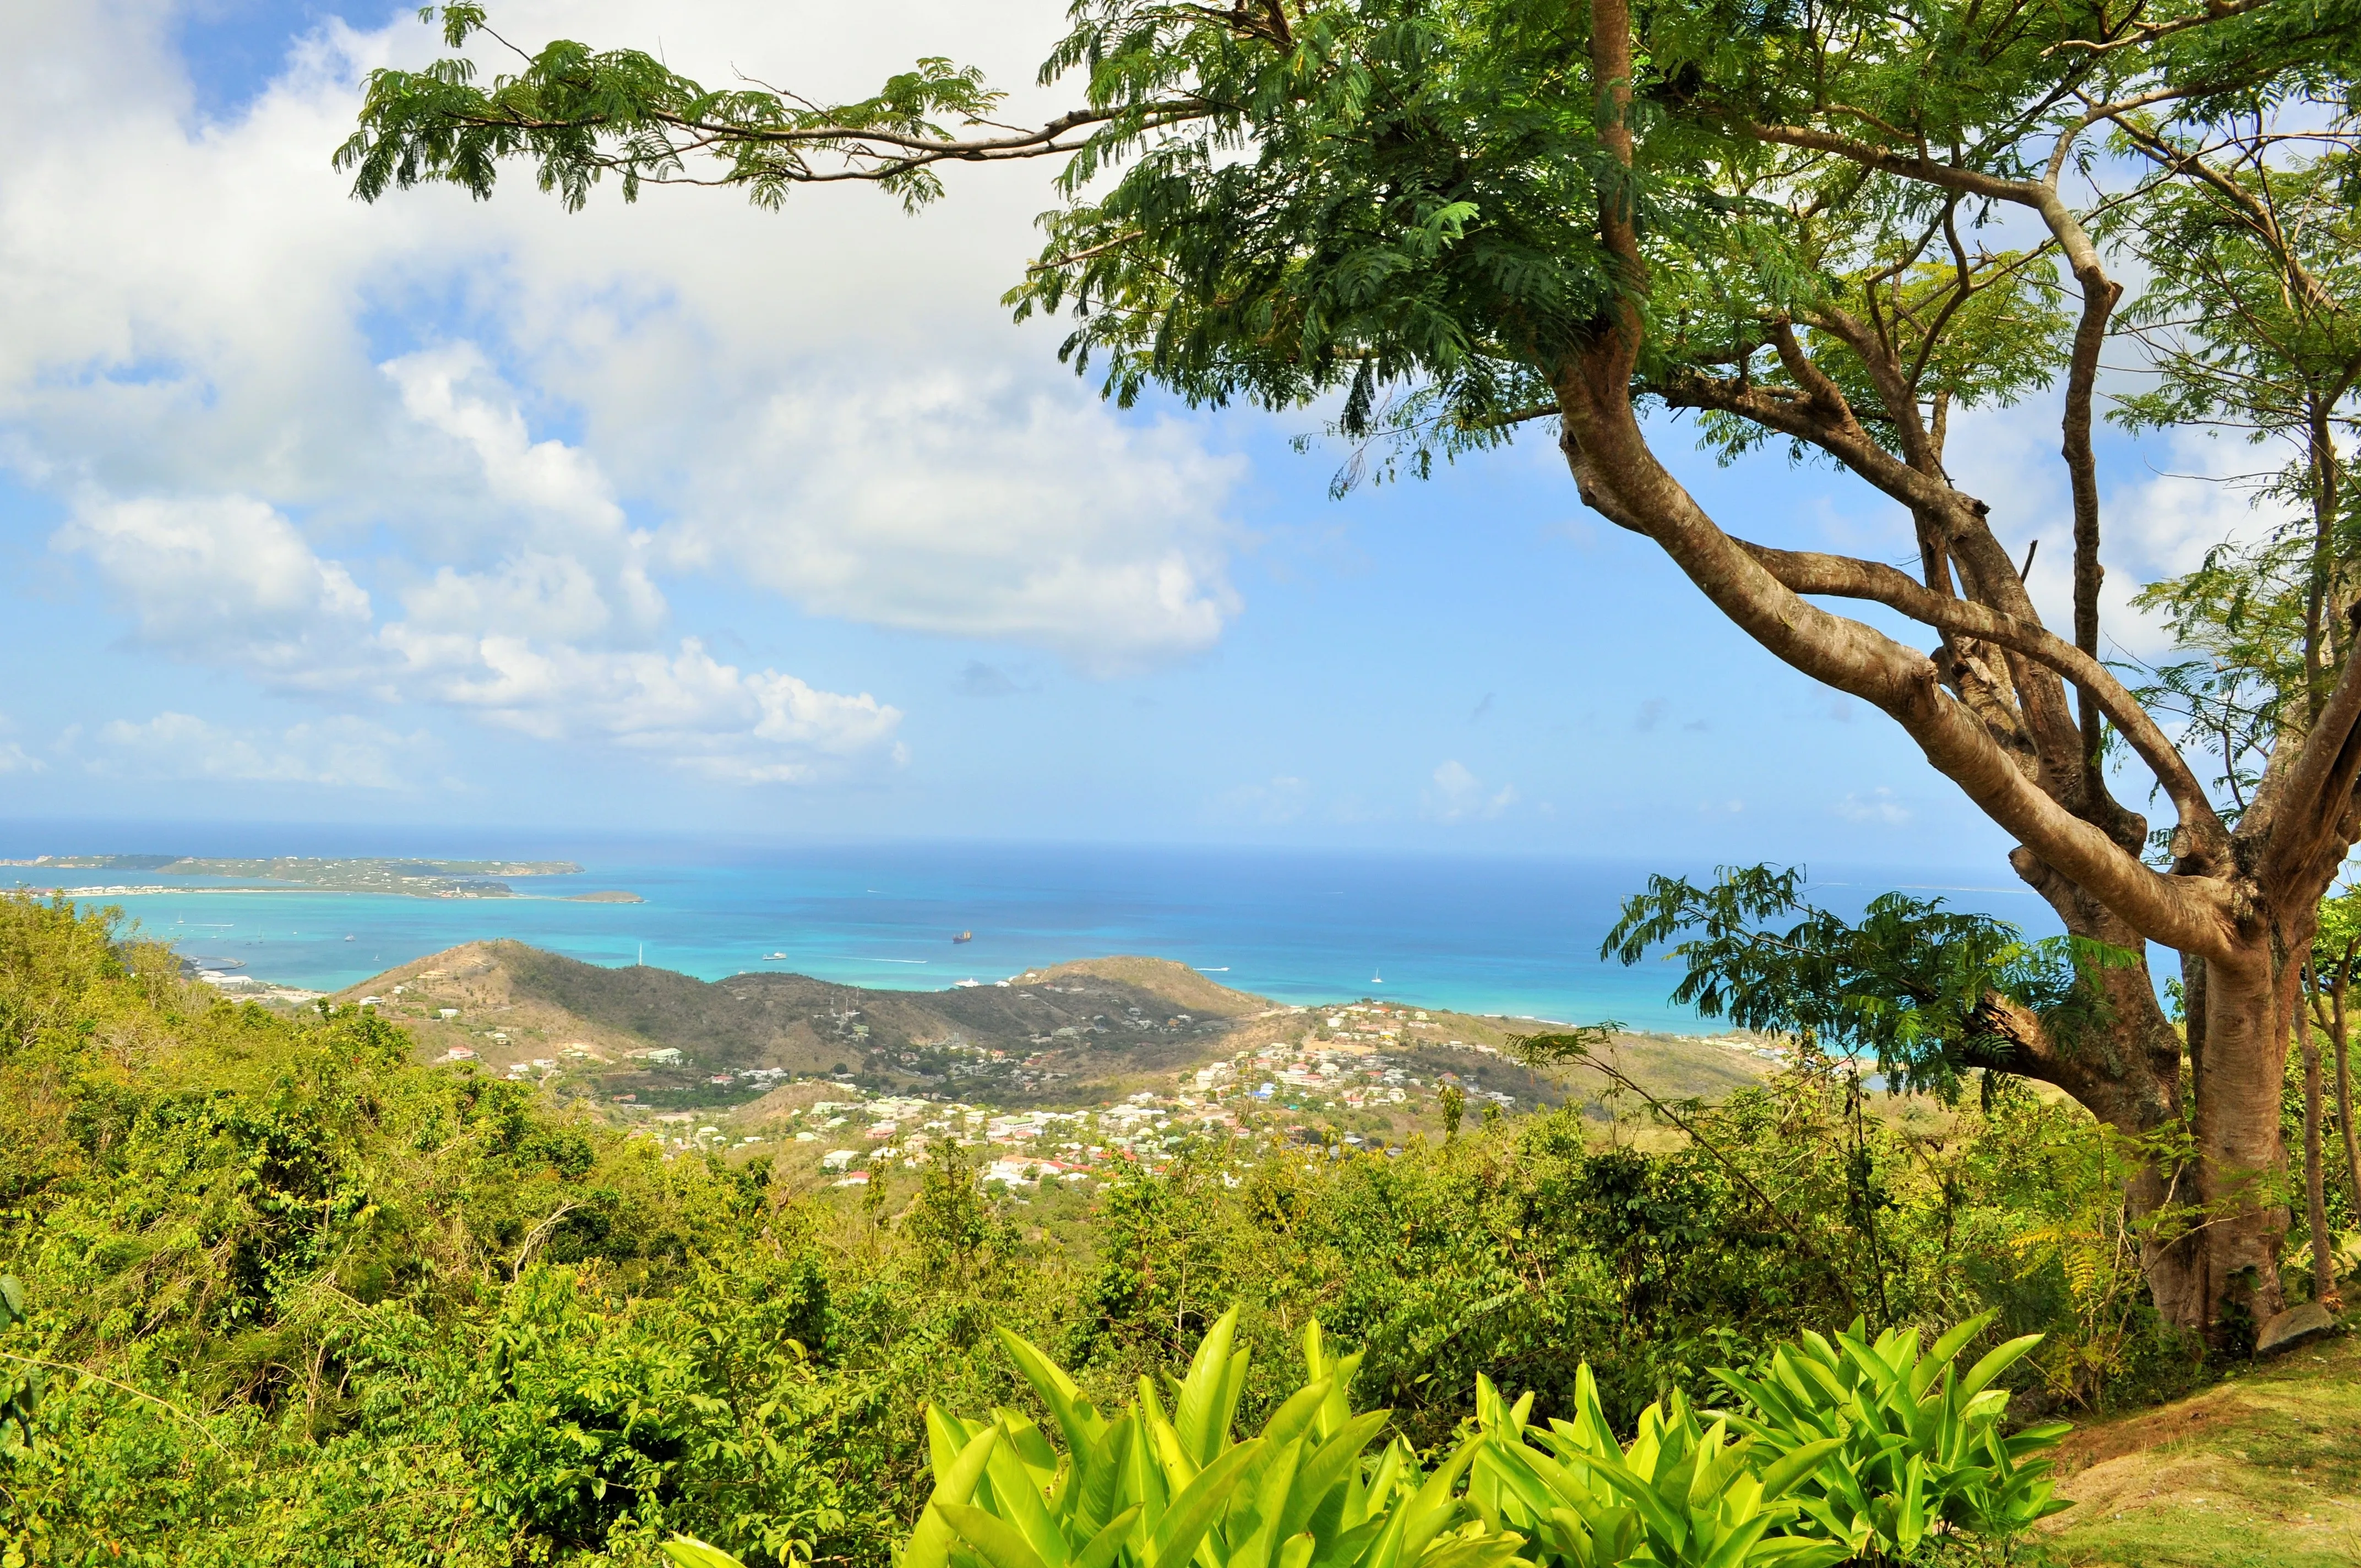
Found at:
<point>2264,1468</point>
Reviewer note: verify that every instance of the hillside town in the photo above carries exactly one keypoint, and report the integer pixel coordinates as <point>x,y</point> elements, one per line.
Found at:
<point>1340,1083</point>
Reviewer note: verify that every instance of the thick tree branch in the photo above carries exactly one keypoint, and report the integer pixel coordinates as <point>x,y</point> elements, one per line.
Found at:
<point>1988,576</point>
<point>1841,577</point>
<point>2300,807</point>
<point>2099,296</point>
<point>1620,476</point>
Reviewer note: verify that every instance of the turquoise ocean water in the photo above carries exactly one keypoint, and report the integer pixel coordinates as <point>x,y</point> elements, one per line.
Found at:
<point>1484,935</point>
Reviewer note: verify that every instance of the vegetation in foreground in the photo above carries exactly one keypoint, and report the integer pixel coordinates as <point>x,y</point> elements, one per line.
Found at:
<point>2262,1470</point>
<point>297,1299</point>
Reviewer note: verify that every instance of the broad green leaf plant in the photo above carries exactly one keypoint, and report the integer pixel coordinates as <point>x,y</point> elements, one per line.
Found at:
<point>1849,1451</point>
<point>1918,1446</point>
<point>1146,1488</point>
<point>1680,1494</point>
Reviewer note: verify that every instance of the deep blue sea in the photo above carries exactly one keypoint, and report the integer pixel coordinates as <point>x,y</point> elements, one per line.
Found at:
<point>1476,934</point>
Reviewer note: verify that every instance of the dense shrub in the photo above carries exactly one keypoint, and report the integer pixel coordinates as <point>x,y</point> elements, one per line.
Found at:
<point>308,1301</point>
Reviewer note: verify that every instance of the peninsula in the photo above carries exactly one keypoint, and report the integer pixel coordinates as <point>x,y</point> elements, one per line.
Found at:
<point>406,878</point>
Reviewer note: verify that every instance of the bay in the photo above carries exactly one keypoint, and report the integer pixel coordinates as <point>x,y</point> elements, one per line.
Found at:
<point>1482,934</point>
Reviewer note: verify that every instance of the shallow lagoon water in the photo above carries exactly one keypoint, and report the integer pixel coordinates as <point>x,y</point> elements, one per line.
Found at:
<point>1476,934</point>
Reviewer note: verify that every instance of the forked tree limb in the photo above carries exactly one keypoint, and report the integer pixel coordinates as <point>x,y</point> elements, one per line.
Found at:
<point>1620,477</point>
<point>2301,808</point>
<point>1991,578</point>
<point>1842,577</point>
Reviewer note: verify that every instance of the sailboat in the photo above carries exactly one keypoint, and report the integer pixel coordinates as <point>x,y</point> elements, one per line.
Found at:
<point>1376,978</point>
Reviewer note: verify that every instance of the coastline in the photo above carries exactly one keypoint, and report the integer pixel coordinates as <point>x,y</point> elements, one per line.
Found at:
<point>1482,935</point>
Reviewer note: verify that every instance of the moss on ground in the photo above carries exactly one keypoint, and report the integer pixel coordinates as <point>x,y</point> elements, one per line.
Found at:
<point>2264,1468</point>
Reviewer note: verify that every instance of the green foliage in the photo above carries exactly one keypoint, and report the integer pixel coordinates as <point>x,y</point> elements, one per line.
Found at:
<point>1916,986</point>
<point>1680,1494</point>
<point>314,1302</point>
<point>20,1383</point>
<point>581,115</point>
<point>1407,204</point>
<point>1918,1444</point>
<point>1151,1490</point>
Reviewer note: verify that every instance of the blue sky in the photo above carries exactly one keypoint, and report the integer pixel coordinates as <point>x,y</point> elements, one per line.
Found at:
<point>688,517</point>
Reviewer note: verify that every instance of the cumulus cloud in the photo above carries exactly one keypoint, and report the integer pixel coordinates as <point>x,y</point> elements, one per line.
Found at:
<point>337,753</point>
<point>234,584</point>
<point>1278,800</point>
<point>443,453</point>
<point>1878,807</point>
<point>955,503</point>
<point>830,408</point>
<point>225,580</point>
<point>714,716</point>
<point>1458,795</point>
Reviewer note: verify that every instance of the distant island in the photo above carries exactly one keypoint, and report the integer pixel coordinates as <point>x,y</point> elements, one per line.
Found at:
<point>407,878</point>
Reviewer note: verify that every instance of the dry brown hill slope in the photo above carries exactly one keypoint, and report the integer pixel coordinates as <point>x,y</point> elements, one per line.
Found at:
<point>1081,1025</point>
<point>1066,1032</point>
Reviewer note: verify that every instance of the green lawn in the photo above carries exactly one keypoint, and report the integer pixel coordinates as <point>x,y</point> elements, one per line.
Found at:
<point>2262,1469</point>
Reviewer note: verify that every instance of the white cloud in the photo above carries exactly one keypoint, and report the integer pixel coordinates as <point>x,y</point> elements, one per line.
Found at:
<point>763,726</point>
<point>1459,796</point>
<point>959,503</point>
<point>828,406</point>
<point>337,753</point>
<point>224,580</point>
<point>234,584</point>
<point>14,758</point>
<point>1279,800</point>
<point>1878,806</point>
<point>2163,525</point>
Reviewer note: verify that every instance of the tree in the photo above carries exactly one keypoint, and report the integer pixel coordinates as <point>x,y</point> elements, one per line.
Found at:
<point>1932,995</point>
<point>2248,329</point>
<point>2336,948</point>
<point>1460,216</point>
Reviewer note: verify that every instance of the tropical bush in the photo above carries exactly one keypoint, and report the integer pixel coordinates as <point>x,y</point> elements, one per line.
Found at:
<point>1854,1452</point>
<point>290,1296</point>
<point>1145,1490</point>
<point>1680,1494</point>
<point>1918,1446</point>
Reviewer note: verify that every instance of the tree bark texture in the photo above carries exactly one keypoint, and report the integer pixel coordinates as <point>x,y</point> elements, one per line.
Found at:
<point>2344,1091</point>
<point>2315,1192</point>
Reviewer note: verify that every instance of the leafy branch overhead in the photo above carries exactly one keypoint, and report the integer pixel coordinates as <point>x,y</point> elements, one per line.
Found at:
<point>1930,992</point>
<point>581,114</point>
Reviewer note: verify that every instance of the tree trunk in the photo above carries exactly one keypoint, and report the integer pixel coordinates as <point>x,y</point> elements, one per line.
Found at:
<point>2127,1075</point>
<point>2324,1263</point>
<point>2236,1228</point>
<point>2344,1082</point>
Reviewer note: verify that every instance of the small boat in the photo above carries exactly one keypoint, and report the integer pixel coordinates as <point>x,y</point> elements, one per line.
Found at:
<point>774,954</point>
<point>965,984</point>
<point>348,938</point>
<point>962,937</point>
